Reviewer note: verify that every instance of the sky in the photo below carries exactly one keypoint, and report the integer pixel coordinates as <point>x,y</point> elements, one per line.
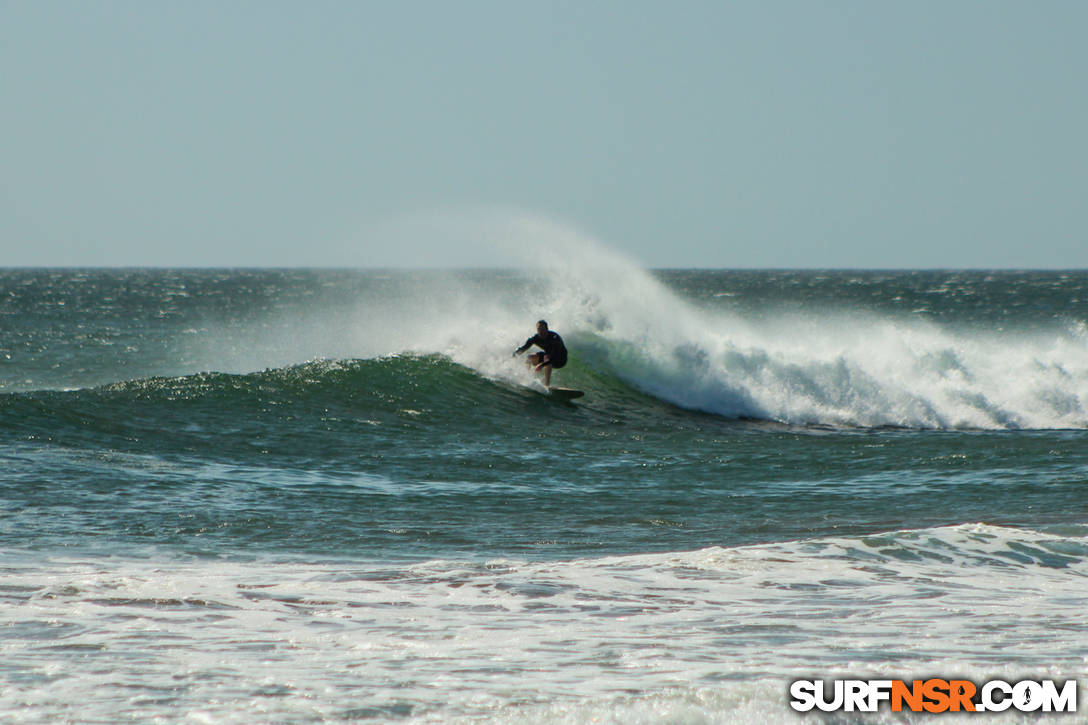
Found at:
<point>748,134</point>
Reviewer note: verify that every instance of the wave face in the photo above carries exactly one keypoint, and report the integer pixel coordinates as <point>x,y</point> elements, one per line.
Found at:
<point>917,350</point>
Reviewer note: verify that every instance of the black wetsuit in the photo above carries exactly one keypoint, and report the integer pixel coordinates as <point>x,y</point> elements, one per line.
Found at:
<point>552,345</point>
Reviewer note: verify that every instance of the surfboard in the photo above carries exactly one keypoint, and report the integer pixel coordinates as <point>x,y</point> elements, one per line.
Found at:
<point>565,393</point>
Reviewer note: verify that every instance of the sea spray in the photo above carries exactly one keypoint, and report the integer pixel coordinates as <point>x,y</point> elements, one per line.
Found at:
<point>848,367</point>
<point>828,349</point>
<point>796,357</point>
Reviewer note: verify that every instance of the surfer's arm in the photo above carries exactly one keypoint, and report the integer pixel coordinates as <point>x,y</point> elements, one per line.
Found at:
<point>526,346</point>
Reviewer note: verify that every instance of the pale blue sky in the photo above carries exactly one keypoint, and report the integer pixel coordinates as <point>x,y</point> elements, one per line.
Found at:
<point>685,134</point>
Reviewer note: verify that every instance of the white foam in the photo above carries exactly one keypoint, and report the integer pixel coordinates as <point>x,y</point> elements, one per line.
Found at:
<point>833,368</point>
<point>840,368</point>
<point>710,635</point>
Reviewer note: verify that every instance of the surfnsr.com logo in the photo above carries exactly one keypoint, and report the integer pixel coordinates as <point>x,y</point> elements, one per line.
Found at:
<point>934,695</point>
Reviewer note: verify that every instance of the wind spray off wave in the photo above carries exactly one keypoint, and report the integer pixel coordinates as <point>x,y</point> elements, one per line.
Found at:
<point>937,350</point>
<point>796,359</point>
<point>855,369</point>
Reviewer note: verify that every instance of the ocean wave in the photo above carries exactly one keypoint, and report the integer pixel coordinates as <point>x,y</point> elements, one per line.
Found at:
<point>947,386</point>
<point>883,374</point>
<point>835,350</point>
<point>804,359</point>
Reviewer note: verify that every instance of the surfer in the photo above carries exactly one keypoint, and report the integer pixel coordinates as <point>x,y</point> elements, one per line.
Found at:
<point>554,355</point>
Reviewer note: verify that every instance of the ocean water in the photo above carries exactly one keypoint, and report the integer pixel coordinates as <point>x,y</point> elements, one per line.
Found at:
<point>334,495</point>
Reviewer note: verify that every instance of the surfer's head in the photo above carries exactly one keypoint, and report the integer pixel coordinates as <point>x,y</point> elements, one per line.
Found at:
<point>541,327</point>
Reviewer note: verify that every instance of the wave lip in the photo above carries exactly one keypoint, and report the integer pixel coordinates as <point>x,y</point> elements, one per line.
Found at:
<point>914,350</point>
<point>882,373</point>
